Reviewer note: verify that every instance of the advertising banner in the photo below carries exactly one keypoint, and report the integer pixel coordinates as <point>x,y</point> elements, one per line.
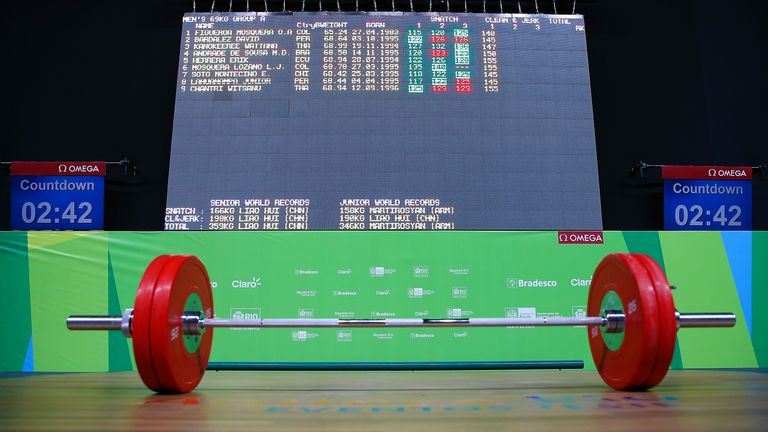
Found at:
<point>373,275</point>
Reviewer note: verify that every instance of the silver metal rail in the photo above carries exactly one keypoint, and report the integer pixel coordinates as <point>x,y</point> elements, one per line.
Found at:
<point>612,322</point>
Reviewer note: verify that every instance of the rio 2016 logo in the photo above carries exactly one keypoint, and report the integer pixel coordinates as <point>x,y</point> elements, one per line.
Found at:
<point>245,313</point>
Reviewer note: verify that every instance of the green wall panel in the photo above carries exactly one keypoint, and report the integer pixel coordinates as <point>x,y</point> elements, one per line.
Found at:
<point>697,264</point>
<point>760,296</point>
<point>365,275</point>
<point>15,323</point>
<point>68,275</point>
<point>119,355</point>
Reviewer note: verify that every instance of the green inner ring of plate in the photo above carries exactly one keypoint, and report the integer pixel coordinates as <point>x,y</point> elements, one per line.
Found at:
<point>612,302</point>
<point>193,304</point>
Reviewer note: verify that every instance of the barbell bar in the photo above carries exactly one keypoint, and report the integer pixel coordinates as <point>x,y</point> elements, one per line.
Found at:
<point>193,323</point>
<point>631,321</point>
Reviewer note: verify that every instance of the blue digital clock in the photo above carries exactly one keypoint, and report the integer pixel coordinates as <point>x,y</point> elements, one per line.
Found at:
<point>707,205</point>
<point>57,202</point>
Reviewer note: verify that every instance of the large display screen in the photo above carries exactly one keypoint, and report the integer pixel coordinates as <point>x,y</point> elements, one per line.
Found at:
<point>383,121</point>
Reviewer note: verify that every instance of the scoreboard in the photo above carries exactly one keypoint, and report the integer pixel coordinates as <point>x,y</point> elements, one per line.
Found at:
<point>382,121</point>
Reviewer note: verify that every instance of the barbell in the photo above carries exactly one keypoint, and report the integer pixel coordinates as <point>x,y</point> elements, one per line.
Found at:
<point>631,322</point>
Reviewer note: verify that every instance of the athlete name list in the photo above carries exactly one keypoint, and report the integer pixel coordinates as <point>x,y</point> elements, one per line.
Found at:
<point>243,75</point>
<point>249,52</point>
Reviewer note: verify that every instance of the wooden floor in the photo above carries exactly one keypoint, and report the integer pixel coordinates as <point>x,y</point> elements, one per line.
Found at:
<point>387,401</point>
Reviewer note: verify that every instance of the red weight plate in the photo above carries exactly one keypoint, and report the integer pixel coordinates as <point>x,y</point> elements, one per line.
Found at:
<point>178,369</point>
<point>667,320</point>
<point>629,365</point>
<point>140,323</point>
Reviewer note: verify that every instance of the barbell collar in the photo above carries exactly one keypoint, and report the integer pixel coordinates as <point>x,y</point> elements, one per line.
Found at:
<point>126,322</point>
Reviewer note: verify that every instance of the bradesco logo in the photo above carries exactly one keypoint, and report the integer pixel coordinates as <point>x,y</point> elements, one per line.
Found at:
<point>306,272</point>
<point>580,237</point>
<point>530,283</point>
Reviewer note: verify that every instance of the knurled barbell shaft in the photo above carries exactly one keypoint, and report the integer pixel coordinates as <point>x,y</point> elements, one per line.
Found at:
<point>192,321</point>
<point>92,322</point>
<point>402,322</point>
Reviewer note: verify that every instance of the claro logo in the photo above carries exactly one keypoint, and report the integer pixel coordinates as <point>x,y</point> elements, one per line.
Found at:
<point>81,168</point>
<point>580,237</point>
<point>254,282</point>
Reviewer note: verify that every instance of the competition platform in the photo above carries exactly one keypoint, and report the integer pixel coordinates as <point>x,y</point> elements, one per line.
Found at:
<point>701,400</point>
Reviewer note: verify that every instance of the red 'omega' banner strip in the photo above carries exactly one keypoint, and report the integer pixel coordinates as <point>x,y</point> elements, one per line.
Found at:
<point>59,168</point>
<point>706,172</point>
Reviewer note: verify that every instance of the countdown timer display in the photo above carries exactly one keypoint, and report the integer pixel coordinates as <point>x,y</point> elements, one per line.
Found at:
<point>708,205</point>
<point>57,202</point>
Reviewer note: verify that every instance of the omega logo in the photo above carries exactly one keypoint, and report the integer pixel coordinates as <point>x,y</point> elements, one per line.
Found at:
<point>593,237</point>
<point>726,172</point>
<point>84,168</point>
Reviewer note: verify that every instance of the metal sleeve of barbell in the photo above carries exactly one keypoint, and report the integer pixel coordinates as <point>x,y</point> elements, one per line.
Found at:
<point>714,319</point>
<point>93,322</point>
<point>402,322</point>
